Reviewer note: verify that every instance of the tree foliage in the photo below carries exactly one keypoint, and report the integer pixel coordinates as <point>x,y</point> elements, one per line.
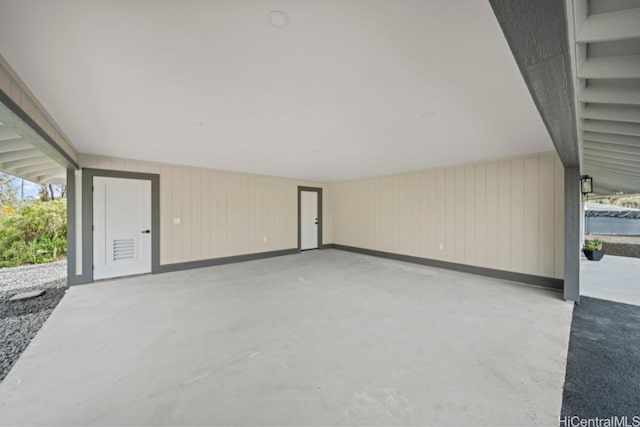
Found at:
<point>33,233</point>
<point>632,202</point>
<point>8,196</point>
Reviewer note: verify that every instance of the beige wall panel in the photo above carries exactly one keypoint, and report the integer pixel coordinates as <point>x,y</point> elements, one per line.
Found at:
<point>469,215</point>
<point>166,217</point>
<point>531,215</point>
<point>197,236</point>
<point>221,193</point>
<point>492,215</point>
<point>441,219</point>
<point>187,209</point>
<point>459,215</point>
<point>221,213</point>
<point>477,212</point>
<point>431,214</point>
<point>176,213</point>
<point>205,218</point>
<point>517,214</point>
<point>546,216</point>
<point>449,212</point>
<point>559,217</point>
<point>480,192</point>
<point>504,215</point>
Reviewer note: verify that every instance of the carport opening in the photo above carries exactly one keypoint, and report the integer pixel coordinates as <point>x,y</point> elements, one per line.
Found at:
<point>33,203</point>
<point>33,233</point>
<point>611,253</point>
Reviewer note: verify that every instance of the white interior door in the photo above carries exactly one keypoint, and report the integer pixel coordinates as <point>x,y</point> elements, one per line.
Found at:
<point>122,227</point>
<point>308,220</point>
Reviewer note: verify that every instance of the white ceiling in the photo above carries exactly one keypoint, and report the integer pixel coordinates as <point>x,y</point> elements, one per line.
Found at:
<point>347,89</point>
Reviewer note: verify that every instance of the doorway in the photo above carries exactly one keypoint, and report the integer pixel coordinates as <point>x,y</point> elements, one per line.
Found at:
<point>121,233</point>
<point>121,227</point>
<point>309,218</point>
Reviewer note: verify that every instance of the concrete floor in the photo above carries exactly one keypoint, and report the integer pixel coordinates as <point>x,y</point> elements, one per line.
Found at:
<point>613,278</point>
<point>319,338</point>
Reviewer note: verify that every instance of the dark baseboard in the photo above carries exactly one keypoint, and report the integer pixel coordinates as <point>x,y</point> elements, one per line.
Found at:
<point>166,268</point>
<point>547,282</point>
<point>327,246</point>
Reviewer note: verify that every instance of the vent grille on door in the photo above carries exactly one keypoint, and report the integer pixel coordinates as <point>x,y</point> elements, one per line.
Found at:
<point>124,249</point>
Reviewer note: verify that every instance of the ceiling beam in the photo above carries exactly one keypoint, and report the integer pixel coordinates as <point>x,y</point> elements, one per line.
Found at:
<point>613,113</point>
<point>537,34</point>
<point>610,67</point>
<point>618,128</point>
<point>617,25</point>
<point>617,172</point>
<point>51,165</point>
<point>613,188</point>
<point>38,176</point>
<point>613,179</point>
<point>613,162</point>
<point>47,176</point>
<point>20,155</point>
<point>33,161</point>
<point>610,95</point>
<point>614,149</point>
<point>14,145</point>
<point>631,141</point>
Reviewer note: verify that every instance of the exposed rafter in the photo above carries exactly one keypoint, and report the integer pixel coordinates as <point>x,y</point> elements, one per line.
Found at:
<point>615,128</point>
<point>610,95</point>
<point>607,71</point>
<point>616,25</point>
<point>610,67</point>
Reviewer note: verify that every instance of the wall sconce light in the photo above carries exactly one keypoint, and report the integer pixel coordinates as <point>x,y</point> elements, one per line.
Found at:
<point>586,185</point>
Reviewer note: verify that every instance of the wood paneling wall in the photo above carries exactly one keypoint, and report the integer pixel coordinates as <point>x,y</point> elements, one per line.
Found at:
<point>221,213</point>
<point>506,214</point>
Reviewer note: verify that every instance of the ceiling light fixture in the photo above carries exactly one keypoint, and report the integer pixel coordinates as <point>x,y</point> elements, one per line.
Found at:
<point>278,18</point>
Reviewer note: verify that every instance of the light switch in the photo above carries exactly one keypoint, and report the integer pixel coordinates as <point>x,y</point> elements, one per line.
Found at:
<point>176,220</point>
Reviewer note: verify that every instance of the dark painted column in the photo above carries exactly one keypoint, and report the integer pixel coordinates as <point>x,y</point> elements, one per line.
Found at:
<point>572,233</point>
<point>537,34</point>
<point>71,226</point>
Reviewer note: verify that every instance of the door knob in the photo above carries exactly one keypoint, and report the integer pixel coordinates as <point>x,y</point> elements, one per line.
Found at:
<point>146,231</point>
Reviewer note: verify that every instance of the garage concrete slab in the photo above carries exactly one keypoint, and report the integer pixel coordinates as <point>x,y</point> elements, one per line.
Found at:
<point>613,278</point>
<point>319,338</point>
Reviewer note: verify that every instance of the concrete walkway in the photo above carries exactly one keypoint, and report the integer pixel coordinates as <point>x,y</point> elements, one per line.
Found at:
<point>319,338</point>
<point>613,278</point>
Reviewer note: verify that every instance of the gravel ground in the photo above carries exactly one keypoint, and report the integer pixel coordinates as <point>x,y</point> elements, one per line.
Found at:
<point>20,321</point>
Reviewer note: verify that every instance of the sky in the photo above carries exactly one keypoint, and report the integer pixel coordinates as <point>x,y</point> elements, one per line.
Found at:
<point>30,188</point>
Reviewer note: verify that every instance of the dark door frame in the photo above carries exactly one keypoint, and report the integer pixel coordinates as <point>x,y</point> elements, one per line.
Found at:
<point>87,217</point>
<point>319,191</point>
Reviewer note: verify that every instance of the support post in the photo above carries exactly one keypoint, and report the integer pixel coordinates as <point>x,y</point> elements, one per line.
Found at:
<point>572,234</point>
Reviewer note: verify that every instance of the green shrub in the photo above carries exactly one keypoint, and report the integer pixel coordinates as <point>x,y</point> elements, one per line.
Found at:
<point>34,233</point>
<point>593,245</point>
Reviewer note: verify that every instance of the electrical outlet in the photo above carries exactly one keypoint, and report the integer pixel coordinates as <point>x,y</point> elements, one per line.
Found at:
<point>176,220</point>
<point>441,246</point>
<point>264,239</point>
